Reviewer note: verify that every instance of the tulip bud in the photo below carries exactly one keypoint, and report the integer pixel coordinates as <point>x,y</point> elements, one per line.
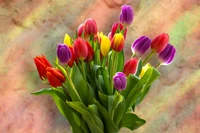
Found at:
<point>81,30</point>
<point>160,42</point>
<point>54,76</point>
<point>90,55</point>
<point>167,55</point>
<point>80,49</point>
<point>67,40</point>
<point>63,53</point>
<point>119,81</point>
<point>90,27</point>
<point>118,26</point>
<point>42,63</point>
<point>141,45</point>
<point>72,59</point>
<point>105,45</point>
<point>126,15</point>
<point>117,42</point>
<point>130,66</point>
<point>144,69</point>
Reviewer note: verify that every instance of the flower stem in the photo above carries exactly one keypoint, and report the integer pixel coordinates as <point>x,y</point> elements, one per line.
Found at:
<point>158,65</point>
<point>152,52</point>
<point>83,69</point>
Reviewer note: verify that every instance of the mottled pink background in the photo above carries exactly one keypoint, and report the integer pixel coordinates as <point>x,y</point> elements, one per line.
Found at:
<point>32,27</point>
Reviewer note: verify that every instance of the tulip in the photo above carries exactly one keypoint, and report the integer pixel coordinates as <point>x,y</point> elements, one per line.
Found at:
<point>118,26</point>
<point>130,66</point>
<point>117,42</point>
<point>159,43</point>
<point>80,49</point>
<point>141,45</point>
<point>67,40</point>
<point>42,63</point>
<point>72,59</point>
<point>81,30</point>
<point>167,55</point>
<point>90,55</point>
<point>63,53</point>
<point>90,27</point>
<point>105,45</point>
<point>54,76</point>
<point>126,15</point>
<point>144,70</point>
<point>119,80</point>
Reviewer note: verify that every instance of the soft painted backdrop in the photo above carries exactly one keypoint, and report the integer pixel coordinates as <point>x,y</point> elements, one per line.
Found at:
<point>32,27</point>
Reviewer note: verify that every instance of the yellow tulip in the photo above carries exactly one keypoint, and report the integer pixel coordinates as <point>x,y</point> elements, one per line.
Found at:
<point>144,69</point>
<point>105,45</point>
<point>67,40</point>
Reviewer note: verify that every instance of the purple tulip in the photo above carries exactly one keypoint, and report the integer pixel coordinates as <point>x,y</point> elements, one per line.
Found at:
<point>167,55</point>
<point>119,80</point>
<point>63,53</point>
<point>141,45</point>
<point>126,15</point>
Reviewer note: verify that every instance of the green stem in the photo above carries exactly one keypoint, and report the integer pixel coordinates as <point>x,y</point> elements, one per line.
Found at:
<point>112,71</point>
<point>152,52</point>
<point>158,65</point>
<point>83,69</point>
<point>133,55</point>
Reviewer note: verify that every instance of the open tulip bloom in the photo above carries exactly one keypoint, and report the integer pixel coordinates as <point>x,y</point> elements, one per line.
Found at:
<point>93,86</point>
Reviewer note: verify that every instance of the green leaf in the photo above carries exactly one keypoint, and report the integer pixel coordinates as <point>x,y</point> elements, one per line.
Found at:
<point>120,61</point>
<point>110,126</point>
<point>132,121</point>
<point>80,107</point>
<point>103,99</point>
<point>139,68</point>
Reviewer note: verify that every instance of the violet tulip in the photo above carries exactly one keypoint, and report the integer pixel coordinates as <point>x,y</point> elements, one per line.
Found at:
<point>63,53</point>
<point>141,45</point>
<point>115,27</point>
<point>55,77</point>
<point>130,66</point>
<point>80,49</point>
<point>126,15</point>
<point>119,80</point>
<point>90,27</point>
<point>167,55</point>
<point>160,42</point>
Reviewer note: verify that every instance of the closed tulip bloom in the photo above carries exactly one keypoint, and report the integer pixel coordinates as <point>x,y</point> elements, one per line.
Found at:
<point>67,40</point>
<point>81,30</point>
<point>117,26</point>
<point>130,66</point>
<point>90,27</point>
<point>160,42</point>
<point>126,15</point>
<point>72,59</point>
<point>144,70</point>
<point>90,55</point>
<point>117,42</point>
<point>105,45</point>
<point>141,45</point>
<point>42,63</point>
<point>63,53</point>
<point>167,55</point>
<point>55,77</point>
<point>119,80</point>
<point>80,49</point>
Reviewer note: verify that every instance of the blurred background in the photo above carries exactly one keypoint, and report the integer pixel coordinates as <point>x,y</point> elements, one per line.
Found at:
<point>33,27</point>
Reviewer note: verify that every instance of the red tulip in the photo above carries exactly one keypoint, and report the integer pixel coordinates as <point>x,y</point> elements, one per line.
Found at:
<point>54,76</point>
<point>72,59</point>
<point>42,63</point>
<point>117,42</point>
<point>130,66</point>
<point>90,55</point>
<point>81,30</point>
<point>80,49</point>
<point>160,42</point>
<point>90,27</point>
<point>115,27</point>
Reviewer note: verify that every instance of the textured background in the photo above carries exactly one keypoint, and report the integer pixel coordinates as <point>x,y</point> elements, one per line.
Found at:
<point>32,27</point>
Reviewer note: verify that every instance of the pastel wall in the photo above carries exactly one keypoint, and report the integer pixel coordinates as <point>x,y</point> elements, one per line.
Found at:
<point>32,27</point>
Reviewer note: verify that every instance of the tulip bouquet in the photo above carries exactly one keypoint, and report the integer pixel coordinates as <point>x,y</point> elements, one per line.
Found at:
<point>90,82</point>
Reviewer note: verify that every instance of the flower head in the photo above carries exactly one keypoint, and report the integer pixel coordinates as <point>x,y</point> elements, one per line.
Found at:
<point>130,66</point>
<point>72,59</point>
<point>54,76</point>
<point>126,15</point>
<point>144,69</point>
<point>67,40</point>
<point>119,81</point>
<point>117,42</point>
<point>63,53</point>
<point>160,42</point>
<point>167,55</point>
<point>116,28</point>
<point>42,63</point>
<point>81,30</point>
<point>141,45</point>
<point>105,45</point>
<point>80,49</point>
<point>90,27</point>
<point>90,55</point>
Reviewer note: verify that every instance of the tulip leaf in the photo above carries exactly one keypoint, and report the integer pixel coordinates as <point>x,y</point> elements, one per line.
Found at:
<point>110,126</point>
<point>132,121</point>
<point>103,99</point>
<point>94,125</point>
<point>120,61</point>
<point>139,68</point>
